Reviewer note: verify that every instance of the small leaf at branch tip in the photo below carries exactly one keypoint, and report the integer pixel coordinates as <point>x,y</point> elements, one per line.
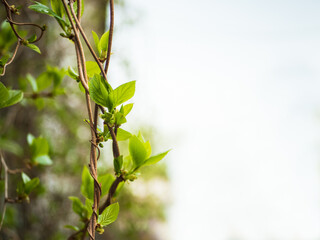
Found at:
<point>33,47</point>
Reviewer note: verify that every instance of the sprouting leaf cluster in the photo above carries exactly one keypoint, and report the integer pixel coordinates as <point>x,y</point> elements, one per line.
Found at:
<point>39,149</point>
<point>26,186</point>
<point>84,210</point>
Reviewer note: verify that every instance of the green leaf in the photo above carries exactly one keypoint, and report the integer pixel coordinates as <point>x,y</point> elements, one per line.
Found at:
<point>57,7</point>
<point>123,135</point>
<point>117,164</point>
<point>106,182</point>
<point>43,160</point>
<point>11,146</point>
<point>148,148</point>
<point>15,96</point>
<point>96,42</point>
<point>56,75</point>
<point>30,138</point>
<point>32,82</point>
<point>4,93</point>
<point>31,185</point>
<point>44,80</point>
<point>81,87</point>
<point>38,7</point>
<point>123,93</point>
<point>109,215</point>
<point>88,205</point>
<point>73,74</point>
<point>137,151</point>
<point>99,92</point>
<point>39,147</point>
<point>77,205</point>
<point>120,118</point>
<point>154,159</point>
<point>87,183</point>
<point>75,228</point>
<point>104,41</point>
<point>39,102</point>
<point>32,38</point>
<point>127,109</point>
<point>92,68</point>
<point>9,97</point>
<point>33,47</point>
<point>39,150</point>
<point>25,178</point>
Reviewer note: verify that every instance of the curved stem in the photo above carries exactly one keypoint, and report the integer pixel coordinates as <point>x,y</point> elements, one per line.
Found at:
<point>110,35</point>
<point>12,58</point>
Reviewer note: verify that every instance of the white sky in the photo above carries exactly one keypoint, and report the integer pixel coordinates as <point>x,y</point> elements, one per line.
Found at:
<point>235,87</point>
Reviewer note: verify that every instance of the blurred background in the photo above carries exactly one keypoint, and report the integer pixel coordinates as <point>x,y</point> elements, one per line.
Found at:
<point>231,86</point>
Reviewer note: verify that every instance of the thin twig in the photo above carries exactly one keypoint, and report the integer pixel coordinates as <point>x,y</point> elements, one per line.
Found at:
<point>13,56</point>
<point>39,95</point>
<point>42,29</point>
<point>115,146</point>
<point>110,36</point>
<point>111,192</point>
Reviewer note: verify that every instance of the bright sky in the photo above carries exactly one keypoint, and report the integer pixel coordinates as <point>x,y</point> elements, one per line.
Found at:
<point>235,87</point>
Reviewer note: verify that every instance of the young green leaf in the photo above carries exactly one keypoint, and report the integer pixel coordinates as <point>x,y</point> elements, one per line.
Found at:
<point>44,80</point>
<point>25,178</point>
<point>4,93</point>
<point>120,118</point>
<point>109,215</point>
<point>127,109</point>
<point>33,47</point>
<point>96,42</point>
<point>57,7</point>
<point>88,205</point>
<point>137,151</point>
<point>104,41</point>
<point>15,96</point>
<point>87,183</point>
<point>106,182</point>
<point>75,228</point>
<point>32,82</point>
<point>30,138</point>
<point>99,92</point>
<point>32,38</point>
<point>117,164</point>
<point>154,159</point>
<point>77,205</point>
<point>40,151</point>
<point>9,97</point>
<point>148,148</point>
<point>43,160</point>
<point>92,68</point>
<point>123,93</point>
<point>39,7</point>
<point>123,135</point>
<point>31,185</point>
<point>39,147</point>
<point>72,73</point>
